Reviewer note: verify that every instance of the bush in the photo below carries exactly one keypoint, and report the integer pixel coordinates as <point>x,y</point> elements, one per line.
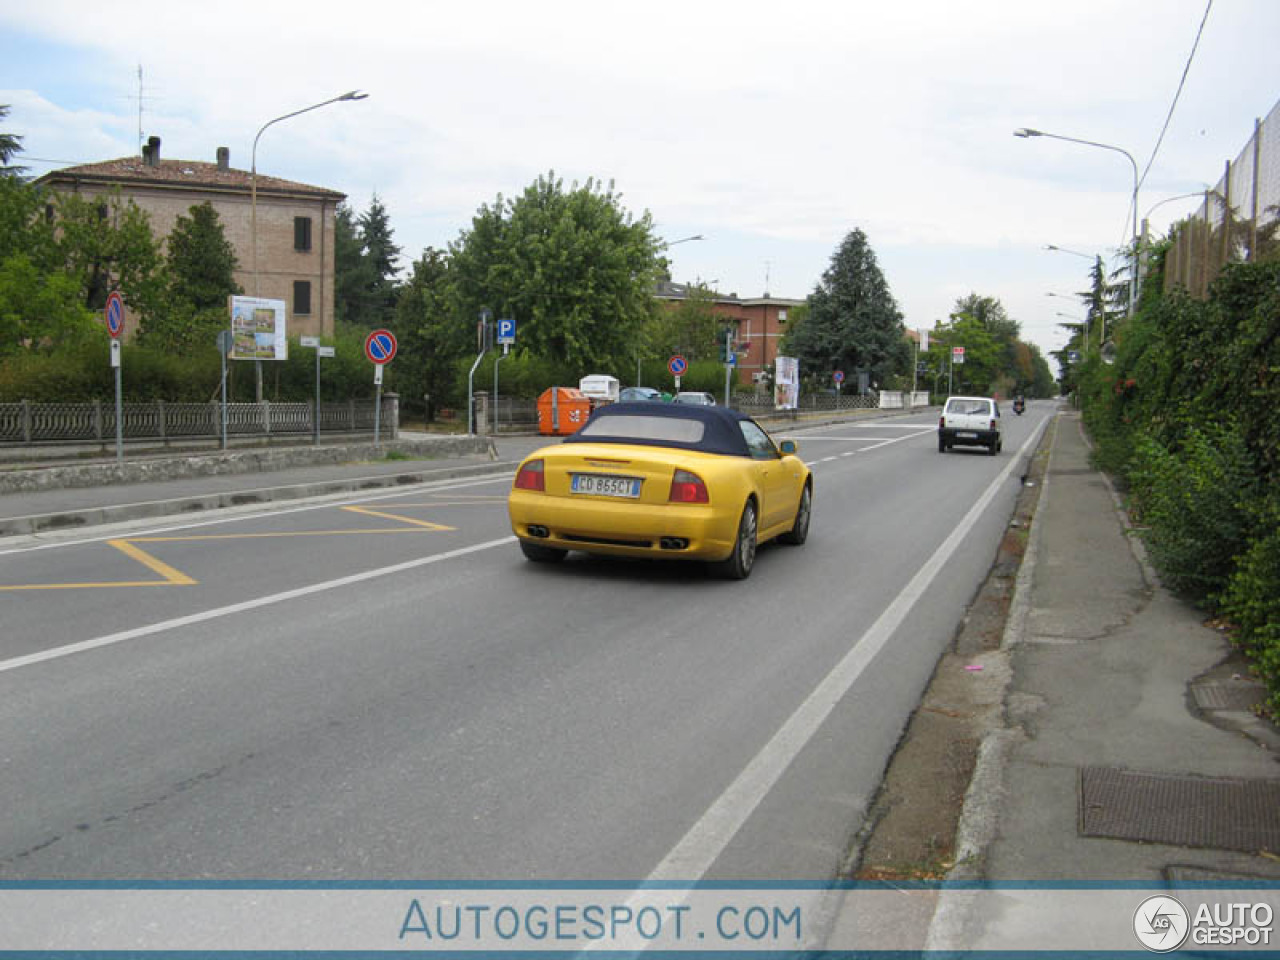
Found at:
<point>1252,599</point>
<point>1194,501</point>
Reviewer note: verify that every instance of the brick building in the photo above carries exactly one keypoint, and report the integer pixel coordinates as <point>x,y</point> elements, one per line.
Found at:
<point>295,223</point>
<point>759,325</point>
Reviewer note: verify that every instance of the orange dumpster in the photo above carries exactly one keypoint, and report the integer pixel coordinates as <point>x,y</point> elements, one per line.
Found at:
<point>562,410</point>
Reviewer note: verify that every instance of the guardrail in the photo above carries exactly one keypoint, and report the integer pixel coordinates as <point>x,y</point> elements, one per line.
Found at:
<point>95,422</point>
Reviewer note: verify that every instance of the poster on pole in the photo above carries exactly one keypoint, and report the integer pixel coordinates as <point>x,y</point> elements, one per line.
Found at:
<point>258,329</point>
<point>786,389</point>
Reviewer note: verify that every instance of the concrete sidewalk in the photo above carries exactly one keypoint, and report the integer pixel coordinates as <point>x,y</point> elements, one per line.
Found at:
<point>1129,750</point>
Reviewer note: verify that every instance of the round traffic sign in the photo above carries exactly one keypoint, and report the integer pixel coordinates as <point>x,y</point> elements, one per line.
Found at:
<point>114,313</point>
<point>380,346</point>
<point>838,376</point>
<point>677,365</point>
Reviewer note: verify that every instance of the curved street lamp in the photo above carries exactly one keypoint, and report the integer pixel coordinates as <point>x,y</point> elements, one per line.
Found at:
<point>1074,253</point>
<point>253,175</point>
<point>253,206</point>
<point>1026,132</point>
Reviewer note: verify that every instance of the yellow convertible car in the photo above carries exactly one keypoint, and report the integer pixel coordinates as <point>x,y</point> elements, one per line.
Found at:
<point>662,481</point>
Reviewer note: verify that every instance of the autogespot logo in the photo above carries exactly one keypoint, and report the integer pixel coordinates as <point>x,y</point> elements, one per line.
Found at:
<point>1161,924</point>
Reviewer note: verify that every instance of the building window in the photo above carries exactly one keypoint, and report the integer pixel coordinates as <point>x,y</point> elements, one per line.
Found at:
<point>782,316</point>
<point>301,298</point>
<point>302,233</point>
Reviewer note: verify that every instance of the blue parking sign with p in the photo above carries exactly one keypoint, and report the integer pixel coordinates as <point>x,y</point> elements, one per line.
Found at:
<point>507,330</point>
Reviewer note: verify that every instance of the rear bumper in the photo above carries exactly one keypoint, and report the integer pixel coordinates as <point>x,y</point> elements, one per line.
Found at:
<point>623,528</point>
<point>969,438</point>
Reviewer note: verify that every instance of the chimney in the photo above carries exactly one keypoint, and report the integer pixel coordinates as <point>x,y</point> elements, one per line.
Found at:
<point>224,159</point>
<point>151,152</point>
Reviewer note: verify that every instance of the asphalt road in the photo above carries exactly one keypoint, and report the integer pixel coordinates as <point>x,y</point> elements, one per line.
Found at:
<point>383,688</point>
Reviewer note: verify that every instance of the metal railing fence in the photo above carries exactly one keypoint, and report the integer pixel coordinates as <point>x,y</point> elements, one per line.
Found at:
<point>95,422</point>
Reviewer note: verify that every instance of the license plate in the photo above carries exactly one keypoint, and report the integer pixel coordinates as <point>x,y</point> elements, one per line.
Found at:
<point>967,436</point>
<point>603,485</point>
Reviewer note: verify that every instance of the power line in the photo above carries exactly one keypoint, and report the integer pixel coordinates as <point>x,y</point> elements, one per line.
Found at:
<point>1181,83</point>
<point>1172,106</point>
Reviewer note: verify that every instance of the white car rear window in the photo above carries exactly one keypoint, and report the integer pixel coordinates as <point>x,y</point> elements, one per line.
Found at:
<point>962,407</point>
<point>669,429</point>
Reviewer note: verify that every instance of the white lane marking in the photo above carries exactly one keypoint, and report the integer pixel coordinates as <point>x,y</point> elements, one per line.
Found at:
<point>874,446</point>
<point>690,859</point>
<point>258,510</point>
<point>17,663</point>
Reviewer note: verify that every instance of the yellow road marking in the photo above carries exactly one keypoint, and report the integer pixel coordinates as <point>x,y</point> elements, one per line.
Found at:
<point>172,577</point>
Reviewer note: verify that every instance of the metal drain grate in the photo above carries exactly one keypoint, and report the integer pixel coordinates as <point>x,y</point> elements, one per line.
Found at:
<point>1228,694</point>
<point>1181,875</point>
<point>1219,813</point>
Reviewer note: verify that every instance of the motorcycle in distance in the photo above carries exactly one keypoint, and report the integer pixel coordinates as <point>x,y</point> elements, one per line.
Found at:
<point>1019,405</point>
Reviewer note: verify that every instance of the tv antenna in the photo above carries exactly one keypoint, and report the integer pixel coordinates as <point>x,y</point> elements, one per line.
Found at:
<point>140,98</point>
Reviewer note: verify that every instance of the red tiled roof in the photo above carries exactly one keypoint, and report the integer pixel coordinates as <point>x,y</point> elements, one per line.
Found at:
<point>189,173</point>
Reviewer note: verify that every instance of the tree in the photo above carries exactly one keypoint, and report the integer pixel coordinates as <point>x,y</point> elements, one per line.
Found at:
<point>39,311</point>
<point>691,328</point>
<point>380,254</point>
<point>573,267</point>
<point>202,262</point>
<point>431,338</point>
<point>853,322</point>
<point>349,267</point>
<point>201,276</point>
<point>10,146</point>
<point>107,244</point>
<point>365,269</point>
<point>991,313</point>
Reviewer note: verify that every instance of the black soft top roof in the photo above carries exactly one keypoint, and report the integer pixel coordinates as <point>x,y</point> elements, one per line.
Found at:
<point>721,433</point>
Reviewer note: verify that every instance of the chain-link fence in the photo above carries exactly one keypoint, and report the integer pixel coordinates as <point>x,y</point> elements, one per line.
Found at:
<point>1239,219</point>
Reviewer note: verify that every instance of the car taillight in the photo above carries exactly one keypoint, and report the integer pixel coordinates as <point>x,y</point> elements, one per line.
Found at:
<point>531,476</point>
<point>687,487</point>
<point>993,424</point>
<point>942,421</point>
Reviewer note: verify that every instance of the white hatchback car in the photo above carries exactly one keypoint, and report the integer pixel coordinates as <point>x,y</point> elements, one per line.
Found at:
<point>971,422</point>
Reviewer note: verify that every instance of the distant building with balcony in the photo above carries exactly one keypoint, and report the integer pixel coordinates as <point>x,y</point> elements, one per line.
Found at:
<point>759,323</point>
<point>295,223</point>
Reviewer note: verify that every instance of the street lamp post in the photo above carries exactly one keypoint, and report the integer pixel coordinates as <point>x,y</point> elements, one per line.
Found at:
<point>1133,268</point>
<point>253,200</point>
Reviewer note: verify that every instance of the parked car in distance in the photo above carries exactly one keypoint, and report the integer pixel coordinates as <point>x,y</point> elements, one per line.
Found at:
<point>639,395</point>
<point>696,398</point>
<point>662,481</point>
<point>971,422</point>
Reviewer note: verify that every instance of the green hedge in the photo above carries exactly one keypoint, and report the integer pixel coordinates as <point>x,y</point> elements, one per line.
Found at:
<point>1188,417</point>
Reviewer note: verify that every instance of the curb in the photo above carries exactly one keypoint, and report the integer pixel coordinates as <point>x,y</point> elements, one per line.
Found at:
<point>150,469</point>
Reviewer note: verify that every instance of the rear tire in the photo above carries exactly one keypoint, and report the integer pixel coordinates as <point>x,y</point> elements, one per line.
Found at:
<point>799,531</point>
<point>540,554</point>
<point>942,445</point>
<point>737,566</point>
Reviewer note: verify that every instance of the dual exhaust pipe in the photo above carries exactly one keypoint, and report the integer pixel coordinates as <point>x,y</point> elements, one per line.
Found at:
<point>666,543</point>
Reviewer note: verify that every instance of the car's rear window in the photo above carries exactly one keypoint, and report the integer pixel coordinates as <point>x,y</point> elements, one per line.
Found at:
<point>961,407</point>
<point>642,428</point>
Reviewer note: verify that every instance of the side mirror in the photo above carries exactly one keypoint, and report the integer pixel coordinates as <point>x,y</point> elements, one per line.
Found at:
<point>788,448</point>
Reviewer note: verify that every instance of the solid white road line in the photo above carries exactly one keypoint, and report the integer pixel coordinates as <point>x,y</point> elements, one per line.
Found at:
<point>17,663</point>
<point>696,852</point>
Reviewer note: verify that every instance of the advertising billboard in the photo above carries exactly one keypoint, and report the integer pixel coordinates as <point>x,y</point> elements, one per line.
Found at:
<point>786,388</point>
<point>258,329</point>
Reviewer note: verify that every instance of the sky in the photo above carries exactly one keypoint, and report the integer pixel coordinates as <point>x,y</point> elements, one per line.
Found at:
<point>771,130</point>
